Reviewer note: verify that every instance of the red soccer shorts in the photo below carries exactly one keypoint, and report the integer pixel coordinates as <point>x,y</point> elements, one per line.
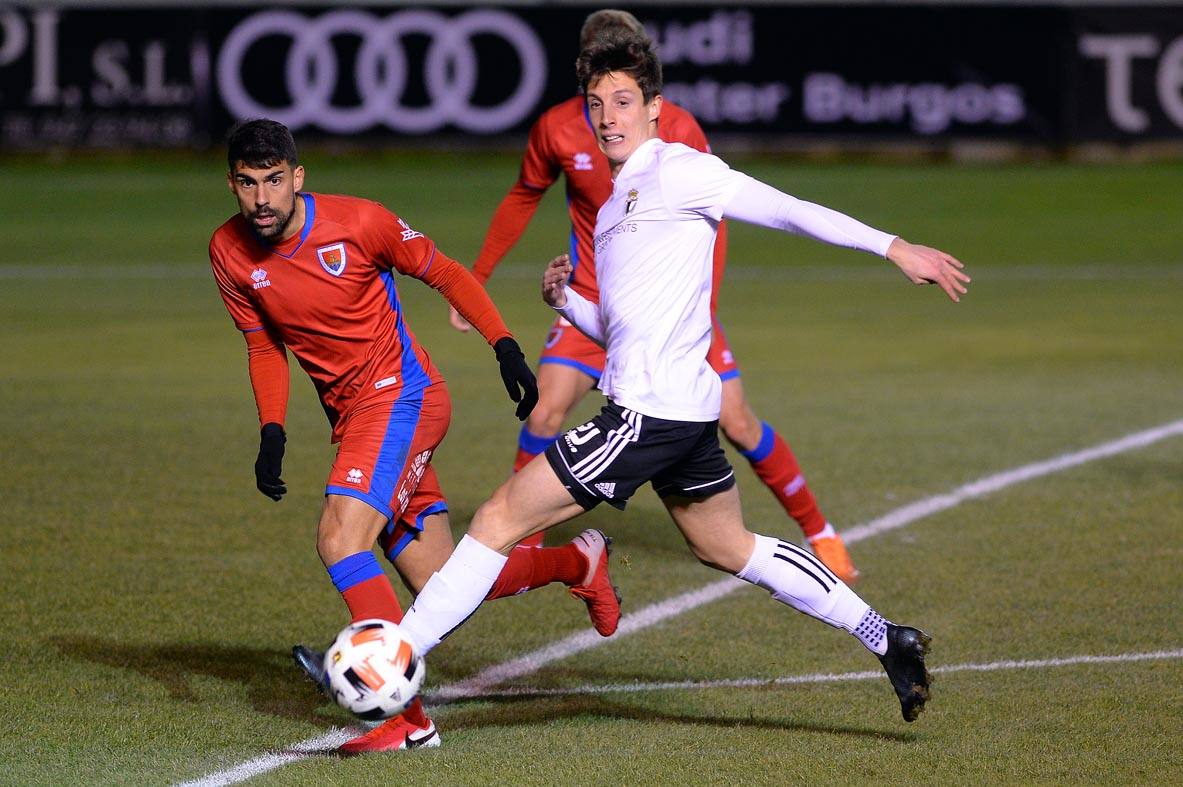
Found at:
<point>568,346</point>
<point>719,356</point>
<point>384,460</point>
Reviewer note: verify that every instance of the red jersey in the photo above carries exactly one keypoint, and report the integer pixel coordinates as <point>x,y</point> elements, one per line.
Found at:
<point>563,141</point>
<point>328,294</point>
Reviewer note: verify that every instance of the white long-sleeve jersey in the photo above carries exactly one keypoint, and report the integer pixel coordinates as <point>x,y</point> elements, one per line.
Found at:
<point>654,243</point>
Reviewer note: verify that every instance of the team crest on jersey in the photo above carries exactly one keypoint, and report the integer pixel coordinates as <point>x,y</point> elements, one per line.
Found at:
<point>332,258</point>
<point>631,202</point>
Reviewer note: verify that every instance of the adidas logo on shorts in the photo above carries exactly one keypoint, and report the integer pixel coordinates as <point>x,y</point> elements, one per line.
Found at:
<point>608,489</point>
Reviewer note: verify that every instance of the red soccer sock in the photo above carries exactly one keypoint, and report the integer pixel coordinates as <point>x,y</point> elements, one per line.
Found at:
<point>373,598</point>
<point>414,713</point>
<point>532,541</point>
<point>529,568</point>
<point>774,463</point>
<point>521,459</point>
<point>368,594</point>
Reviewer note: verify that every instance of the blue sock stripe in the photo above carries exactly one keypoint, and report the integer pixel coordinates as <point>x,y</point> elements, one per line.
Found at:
<point>760,452</point>
<point>532,443</point>
<point>354,569</point>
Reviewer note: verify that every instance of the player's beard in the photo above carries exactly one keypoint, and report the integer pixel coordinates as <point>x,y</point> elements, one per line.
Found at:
<point>277,228</point>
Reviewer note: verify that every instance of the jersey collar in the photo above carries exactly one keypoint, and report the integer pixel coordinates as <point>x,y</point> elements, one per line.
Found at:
<point>309,218</point>
<point>639,159</point>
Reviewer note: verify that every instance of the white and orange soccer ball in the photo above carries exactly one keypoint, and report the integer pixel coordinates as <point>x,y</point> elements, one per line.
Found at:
<point>373,671</point>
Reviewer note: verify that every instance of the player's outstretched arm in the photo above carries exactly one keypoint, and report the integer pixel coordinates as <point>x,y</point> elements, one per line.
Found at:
<point>759,203</point>
<point>505,229</point>
<point>924,265</point>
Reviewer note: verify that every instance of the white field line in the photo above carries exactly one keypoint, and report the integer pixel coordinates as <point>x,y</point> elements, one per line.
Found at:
<point>337,735</point>
<point>827,677</point>
<point>993,483</point>
<point>481,683</point>
<point>269,762</point>
<point>900,517</point>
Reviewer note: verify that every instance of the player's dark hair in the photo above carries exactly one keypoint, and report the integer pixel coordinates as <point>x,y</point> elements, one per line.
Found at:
<point>600,22</point>
<point>624,52</point>
<point>260,143</point>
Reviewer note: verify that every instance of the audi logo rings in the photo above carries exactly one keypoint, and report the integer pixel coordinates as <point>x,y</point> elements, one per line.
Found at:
<point>380,70</point>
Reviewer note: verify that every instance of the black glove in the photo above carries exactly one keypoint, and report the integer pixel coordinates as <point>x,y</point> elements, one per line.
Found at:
<point>267,466</point>
<point>514,373</point>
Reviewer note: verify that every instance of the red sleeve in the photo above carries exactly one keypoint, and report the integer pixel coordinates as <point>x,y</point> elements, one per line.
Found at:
<point>396,246</point>
<point>719,263</point>
<point>412,253</point>
<point>685,129</point>
<point>539,170</point>
<point>267,361</point>
<point>506,228</point>
<point>467,295</point>
<point>242,311</point>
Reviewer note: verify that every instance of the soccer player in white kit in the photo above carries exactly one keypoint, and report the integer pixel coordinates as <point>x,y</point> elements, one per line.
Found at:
<point>653,249</point>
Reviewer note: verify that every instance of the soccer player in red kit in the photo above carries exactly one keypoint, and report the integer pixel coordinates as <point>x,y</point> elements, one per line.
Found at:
<point>314,273</point>
<point>563,141</point>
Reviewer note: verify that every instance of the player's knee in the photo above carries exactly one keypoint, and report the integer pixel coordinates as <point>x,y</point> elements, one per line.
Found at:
<point>334,541</point>
<point>331,545</point>
<point>546,419</point>
<point>493,523</point>
<point>740,428</point>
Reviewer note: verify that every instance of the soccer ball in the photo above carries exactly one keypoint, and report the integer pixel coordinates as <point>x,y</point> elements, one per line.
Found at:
<point>373,670</point>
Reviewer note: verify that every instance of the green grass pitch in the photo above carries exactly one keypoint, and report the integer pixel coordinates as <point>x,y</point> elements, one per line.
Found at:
<point>150,594</point>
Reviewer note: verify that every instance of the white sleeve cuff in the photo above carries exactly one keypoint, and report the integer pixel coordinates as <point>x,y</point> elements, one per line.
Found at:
<point>583,314</point>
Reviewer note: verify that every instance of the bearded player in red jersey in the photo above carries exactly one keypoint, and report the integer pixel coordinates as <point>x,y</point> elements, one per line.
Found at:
<point>563,141</point>
<point>314,273</point>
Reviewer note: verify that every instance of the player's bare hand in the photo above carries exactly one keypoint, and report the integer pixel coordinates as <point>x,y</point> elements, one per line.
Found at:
<point>924,265</point>
<point>458,322</point>
<point>554,281</point>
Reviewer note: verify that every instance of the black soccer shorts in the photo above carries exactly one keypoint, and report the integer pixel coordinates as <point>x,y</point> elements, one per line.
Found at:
<point>608,458</point>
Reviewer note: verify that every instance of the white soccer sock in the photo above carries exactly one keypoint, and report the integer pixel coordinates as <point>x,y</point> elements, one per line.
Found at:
<point>795,577</point>
<point>452,594</point>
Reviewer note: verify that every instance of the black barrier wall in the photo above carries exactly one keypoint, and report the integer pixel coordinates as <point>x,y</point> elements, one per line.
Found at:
<point>109,77</point>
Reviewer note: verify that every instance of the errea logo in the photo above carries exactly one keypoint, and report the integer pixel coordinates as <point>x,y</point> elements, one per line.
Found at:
<point>582,161</point>
<point>354,476</point>
<point>408,233</point>
<point>259,277</point>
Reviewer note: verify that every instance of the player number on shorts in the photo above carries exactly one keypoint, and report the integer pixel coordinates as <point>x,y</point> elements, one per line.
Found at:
<point>581,434</point>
